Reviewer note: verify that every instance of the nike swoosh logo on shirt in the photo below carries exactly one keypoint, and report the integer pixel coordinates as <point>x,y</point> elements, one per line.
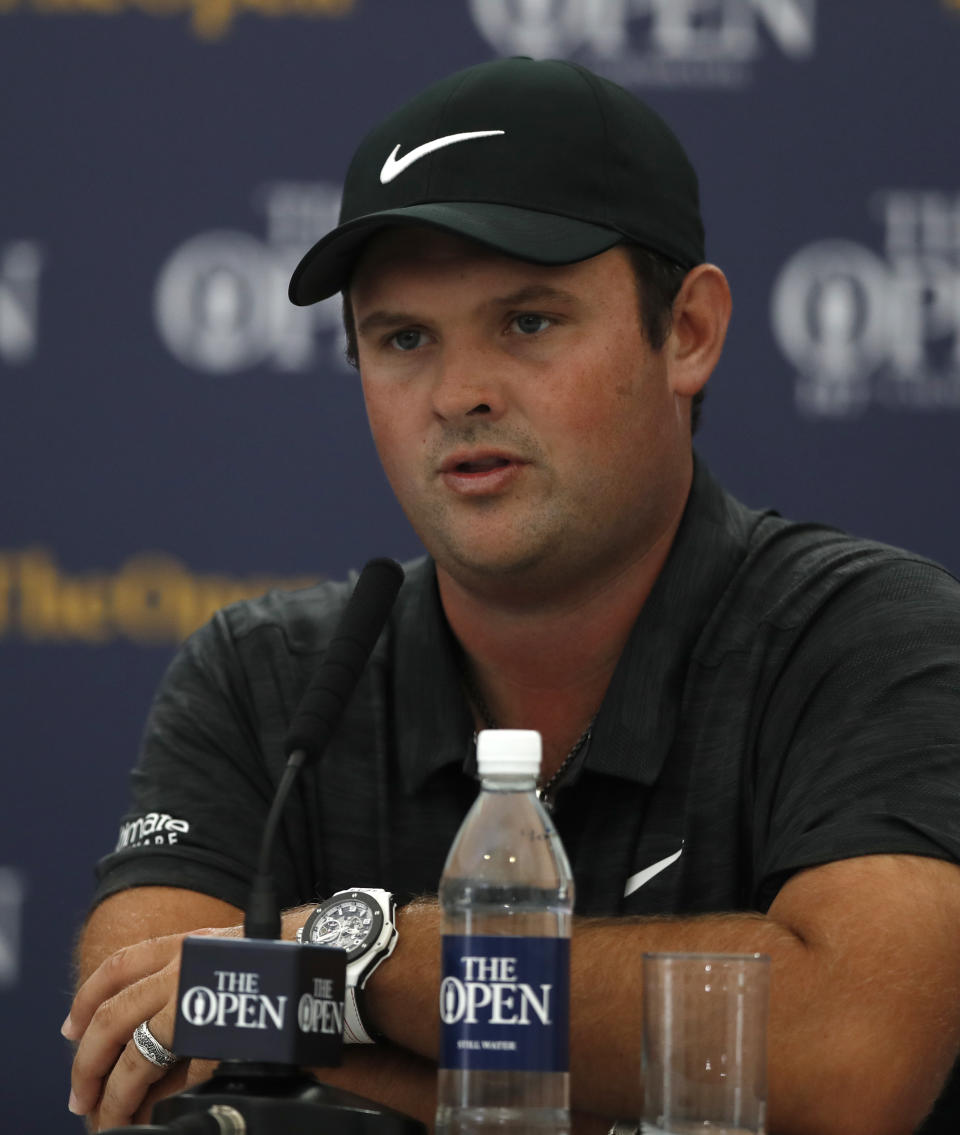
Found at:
<point>394,166</point>
<point>635,882</point>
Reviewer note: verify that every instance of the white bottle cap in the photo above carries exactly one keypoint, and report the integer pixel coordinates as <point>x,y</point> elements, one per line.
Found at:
<point>512,751</point>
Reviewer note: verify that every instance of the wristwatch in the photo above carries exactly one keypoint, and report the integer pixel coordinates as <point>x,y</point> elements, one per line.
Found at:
<point>359,920</point>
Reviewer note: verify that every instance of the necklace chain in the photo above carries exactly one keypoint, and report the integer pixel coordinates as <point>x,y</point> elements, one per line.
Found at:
<point>544,791</point>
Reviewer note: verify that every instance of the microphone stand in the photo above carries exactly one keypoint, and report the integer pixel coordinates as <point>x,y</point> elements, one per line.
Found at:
<point>265,1098</point>
<point>277,1099</point>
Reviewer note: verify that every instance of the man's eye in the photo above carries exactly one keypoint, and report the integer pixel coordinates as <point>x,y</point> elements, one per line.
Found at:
<point>407,340</point>
<point>529,323</point>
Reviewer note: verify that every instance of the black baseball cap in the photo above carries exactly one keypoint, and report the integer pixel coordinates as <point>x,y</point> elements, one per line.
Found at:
<point>539,159</point>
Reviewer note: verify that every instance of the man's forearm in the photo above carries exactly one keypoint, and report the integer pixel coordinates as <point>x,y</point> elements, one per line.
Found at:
<point>606,991</point>
<point>865,999</point>
<point>864,1021</point>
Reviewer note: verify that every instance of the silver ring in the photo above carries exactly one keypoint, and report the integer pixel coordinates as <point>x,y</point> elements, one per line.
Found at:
<point>151,1049</point>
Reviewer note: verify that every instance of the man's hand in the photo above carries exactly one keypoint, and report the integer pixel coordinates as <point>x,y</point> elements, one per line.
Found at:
<point>127,943</point>
<point>111,1080</point>
<point>128,965</point>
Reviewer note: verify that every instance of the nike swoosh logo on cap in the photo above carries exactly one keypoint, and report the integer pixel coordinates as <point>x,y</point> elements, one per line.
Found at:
<point>394,166</point>
<point>635,882</point>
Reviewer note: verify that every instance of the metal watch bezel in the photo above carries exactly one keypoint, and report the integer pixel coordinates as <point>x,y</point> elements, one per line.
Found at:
<point>337,899</point>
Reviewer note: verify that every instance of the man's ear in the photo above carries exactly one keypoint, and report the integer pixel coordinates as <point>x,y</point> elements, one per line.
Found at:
<point>701,313</point>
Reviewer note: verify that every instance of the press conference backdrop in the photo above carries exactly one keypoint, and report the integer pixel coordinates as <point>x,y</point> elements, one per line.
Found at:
<point>175,435</point>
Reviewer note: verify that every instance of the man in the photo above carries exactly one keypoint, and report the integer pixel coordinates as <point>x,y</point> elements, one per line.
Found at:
<point>750,727</point>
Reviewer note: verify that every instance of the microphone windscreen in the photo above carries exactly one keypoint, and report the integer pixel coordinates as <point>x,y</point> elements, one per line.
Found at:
<point>356,634</point>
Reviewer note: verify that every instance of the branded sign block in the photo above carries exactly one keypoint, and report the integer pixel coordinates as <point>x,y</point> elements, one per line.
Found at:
<point>260,1001</point>
<point>505,1002</point>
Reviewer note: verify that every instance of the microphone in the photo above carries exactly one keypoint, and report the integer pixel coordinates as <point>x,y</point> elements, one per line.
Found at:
<point>356,634</point>
<point>318,715</point>
<point>266,1008</point>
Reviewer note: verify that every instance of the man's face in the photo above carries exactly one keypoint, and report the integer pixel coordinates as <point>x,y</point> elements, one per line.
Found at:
<point>527,429</point>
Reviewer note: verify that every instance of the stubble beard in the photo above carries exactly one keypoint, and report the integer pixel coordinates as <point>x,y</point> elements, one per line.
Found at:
<point>464,535</point>
<point>490,553</point>
<point>540,556</point>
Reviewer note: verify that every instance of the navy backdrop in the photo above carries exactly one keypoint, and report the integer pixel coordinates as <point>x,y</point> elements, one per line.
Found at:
<point>175,435</point>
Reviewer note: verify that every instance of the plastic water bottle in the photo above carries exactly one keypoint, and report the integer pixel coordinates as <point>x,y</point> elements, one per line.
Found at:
<point>507,899</point>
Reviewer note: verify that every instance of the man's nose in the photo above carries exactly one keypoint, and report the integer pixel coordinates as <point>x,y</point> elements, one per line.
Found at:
<point>467,384</point>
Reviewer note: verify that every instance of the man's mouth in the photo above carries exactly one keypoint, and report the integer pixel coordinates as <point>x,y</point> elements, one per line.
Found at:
<point>479,473</point>
<point>481,465</point>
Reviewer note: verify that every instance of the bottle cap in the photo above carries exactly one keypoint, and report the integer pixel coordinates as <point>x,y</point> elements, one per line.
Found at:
<point>510,751</point>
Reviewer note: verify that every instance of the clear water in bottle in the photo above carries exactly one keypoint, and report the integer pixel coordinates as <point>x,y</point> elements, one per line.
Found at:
<point>507,899</point>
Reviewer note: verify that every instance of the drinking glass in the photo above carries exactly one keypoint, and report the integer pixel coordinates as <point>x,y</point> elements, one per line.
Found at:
<point>705,1043</point>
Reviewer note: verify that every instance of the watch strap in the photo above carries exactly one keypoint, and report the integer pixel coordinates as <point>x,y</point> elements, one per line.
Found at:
<point>354,1030</point>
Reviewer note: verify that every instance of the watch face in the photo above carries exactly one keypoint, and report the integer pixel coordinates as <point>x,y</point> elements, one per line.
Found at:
<point>349,922</point>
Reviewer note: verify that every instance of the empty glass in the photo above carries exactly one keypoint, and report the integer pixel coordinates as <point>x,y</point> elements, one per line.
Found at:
<point>705,1043</point>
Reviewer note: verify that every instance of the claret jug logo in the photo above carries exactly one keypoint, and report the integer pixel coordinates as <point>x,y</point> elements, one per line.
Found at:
<point>319,1011</point>
<point>672,43</point>
<point>504,1003</point>
<point>235,1002</point>
<point>220,302</point>
<point>489,991</point>
<point>863,326</point>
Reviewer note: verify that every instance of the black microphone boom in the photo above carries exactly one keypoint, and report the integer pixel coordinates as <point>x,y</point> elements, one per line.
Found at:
<point>360,625</point>
<point>319,714</point>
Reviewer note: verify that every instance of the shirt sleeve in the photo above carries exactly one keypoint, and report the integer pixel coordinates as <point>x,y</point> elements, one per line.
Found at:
<point>201,788</point>
<point>859,746</point>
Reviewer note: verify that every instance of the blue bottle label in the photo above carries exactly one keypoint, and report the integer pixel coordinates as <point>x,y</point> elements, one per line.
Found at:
<point>505,1003</point>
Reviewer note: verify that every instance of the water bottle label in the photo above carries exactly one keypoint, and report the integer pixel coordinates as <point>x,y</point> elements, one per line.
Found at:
<point>505,1003</point>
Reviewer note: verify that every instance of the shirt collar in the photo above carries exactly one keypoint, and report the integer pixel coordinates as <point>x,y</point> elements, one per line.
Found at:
<point>638,718</point>
<point>432,722</point>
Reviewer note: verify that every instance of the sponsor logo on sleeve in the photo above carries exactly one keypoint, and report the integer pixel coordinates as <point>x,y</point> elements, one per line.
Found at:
<point>670,43</point>
<point>153,829</point>
<point>878,325</point>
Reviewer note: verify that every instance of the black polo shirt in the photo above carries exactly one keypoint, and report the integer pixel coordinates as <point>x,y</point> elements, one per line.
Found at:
<point>788,696</point>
